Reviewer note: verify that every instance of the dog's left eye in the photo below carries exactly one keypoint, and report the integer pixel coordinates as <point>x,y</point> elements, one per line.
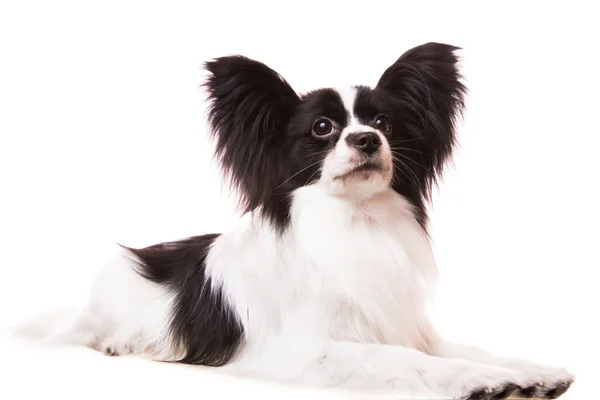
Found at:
<point>322,127</point>
<point>382,123</point>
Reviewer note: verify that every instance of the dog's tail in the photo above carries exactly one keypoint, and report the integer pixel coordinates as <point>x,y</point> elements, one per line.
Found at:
<point>57,327</point>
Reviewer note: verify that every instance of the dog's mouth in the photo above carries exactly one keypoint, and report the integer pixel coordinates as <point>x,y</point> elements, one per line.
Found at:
<point>366,169</point>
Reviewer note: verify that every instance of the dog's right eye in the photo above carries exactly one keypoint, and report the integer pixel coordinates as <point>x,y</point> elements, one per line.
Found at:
<point>322,127</point>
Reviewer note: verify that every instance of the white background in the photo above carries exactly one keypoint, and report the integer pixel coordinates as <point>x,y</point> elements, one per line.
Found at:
<point>103,139</point>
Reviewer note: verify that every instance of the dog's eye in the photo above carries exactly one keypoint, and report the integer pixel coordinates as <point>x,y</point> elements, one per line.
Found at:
<point>322,127</point>
<point>382,123</point>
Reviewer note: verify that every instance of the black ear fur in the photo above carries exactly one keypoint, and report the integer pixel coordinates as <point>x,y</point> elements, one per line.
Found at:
<point>250,106</point>
<point>426,86</point>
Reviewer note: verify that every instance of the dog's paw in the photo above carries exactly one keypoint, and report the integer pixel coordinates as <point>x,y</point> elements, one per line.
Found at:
<point>552,382</point>
<point>489,383</point>
<point>111,351</point>
<point>110,347</point>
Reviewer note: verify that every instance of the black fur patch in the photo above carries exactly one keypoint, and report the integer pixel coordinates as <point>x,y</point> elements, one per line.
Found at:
<point>263,133</point>
<point>201,321</point>
<point>250,106</point>
<point>424,92</point>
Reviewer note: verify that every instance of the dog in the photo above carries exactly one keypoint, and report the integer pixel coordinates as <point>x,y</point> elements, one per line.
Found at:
<point>328,278</point>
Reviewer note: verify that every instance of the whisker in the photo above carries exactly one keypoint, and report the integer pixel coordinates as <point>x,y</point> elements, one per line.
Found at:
<point>395,178</point>
<point>408,158</point>
<point>319,152</point>
<point>400,141</point>
<point>406,148</point>
<point>397,160</point>
<point>415,180</point>
<point>310,177</point>
<point>302,170</point>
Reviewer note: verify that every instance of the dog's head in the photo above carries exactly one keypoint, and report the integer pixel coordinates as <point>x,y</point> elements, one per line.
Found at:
<point>352,142</point>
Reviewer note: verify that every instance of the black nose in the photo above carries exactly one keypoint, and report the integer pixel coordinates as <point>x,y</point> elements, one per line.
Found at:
<point>367,142</point>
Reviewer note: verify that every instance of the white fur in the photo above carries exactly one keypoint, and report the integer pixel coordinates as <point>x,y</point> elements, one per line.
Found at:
<point>125,314</point>
<point>340,298</point>
<point>348,96</point>
<point>327,277</point>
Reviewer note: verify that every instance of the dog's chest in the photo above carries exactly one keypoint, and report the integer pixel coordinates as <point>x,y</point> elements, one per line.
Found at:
<point>369,267</point>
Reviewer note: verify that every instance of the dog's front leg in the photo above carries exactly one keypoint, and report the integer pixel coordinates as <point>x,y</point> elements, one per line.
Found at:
<point>407,371</point>
<point>553,382</point>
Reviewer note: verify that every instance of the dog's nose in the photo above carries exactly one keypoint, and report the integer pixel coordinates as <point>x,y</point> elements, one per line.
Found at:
<point>367,142</point>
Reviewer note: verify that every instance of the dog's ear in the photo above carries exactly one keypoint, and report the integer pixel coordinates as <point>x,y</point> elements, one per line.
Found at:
<point>250,107</point>
<point>426,85</point>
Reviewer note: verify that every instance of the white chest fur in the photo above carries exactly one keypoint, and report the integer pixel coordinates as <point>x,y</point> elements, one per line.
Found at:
<point>369,265</point>
<point>342,270</point>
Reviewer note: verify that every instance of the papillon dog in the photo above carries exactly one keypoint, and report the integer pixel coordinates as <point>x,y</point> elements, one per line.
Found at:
<point>328,278</point>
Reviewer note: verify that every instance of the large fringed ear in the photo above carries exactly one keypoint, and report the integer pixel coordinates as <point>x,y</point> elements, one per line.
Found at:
<point>249,108</point>
<point>426,85</point>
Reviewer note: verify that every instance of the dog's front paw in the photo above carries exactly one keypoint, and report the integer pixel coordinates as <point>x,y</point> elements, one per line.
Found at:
<point>110,347</point>
<point>489,383</point>
<point>552,382</point>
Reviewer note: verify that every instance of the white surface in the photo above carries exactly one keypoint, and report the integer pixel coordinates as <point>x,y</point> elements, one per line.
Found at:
<point>103,139</point>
